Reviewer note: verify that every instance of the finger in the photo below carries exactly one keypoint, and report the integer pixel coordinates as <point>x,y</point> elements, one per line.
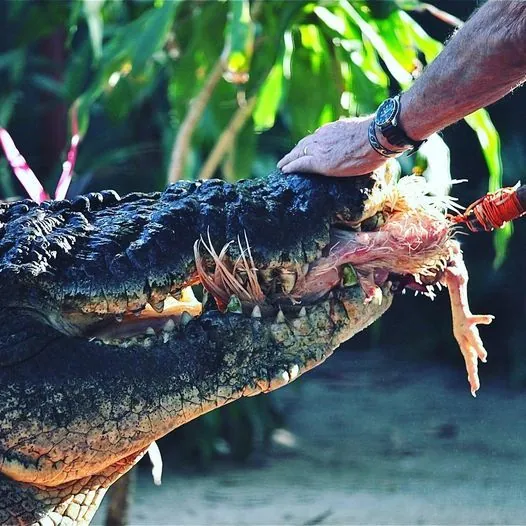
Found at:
<point>293,154</point>
<point>303,164</point>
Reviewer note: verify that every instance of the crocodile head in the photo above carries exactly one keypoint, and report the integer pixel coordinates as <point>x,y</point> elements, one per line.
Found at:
<point>104,347</point>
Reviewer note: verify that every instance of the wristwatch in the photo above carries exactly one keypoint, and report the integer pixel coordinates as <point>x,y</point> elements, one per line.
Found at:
<point>387,123</point>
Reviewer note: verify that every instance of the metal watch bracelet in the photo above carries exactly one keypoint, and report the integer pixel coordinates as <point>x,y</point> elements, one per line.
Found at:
<point>375,143</point>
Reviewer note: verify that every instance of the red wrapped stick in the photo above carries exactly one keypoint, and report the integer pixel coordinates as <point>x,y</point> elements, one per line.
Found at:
<point>494,209</point>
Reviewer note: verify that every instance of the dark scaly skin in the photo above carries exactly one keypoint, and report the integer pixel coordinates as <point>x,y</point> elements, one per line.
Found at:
<point>76,414</point>
<point>140,246</point>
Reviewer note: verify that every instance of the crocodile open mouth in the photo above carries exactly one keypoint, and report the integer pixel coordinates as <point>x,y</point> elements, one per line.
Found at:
<point>402,238</point>
<point>402,241</point>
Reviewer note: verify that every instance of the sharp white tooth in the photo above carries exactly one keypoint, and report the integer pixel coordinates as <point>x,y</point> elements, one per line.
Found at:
<point>158,306</point>
<point>150,331</point>
<point>266,275</point>
<point>280,317</point>
<point>234,305</point>
<point>185,318</point>
<point>439,285</point>
<point>294,371</point>
<point>403,291</point>
<point>118,317</point>
<point>285,376</point>
<point>303,312</point>
<point>417,278</point>
<point>187,295</point>
<point>166,337</point>
<point>169,326</point>
<point>377,296</point>
<point>416,292</point>
<point>288,280</point>
<point>256,312</point>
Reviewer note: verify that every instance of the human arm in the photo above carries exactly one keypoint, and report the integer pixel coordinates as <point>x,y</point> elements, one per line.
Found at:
<point>484,61</point>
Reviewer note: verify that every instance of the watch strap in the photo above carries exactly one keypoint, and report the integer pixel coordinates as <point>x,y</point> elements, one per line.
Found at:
<point>376,145</point>
<point>395,134</point>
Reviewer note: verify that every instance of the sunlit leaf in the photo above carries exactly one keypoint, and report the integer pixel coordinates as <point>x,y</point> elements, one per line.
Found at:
<point>398,39</point>
<point>239,45</point>
<point>489,140</point>
<point>269,99</point>
<point>331,20</point>
<point>437,169</point>
<point>402,76</point>
<point>312,66</point>
<point>92,11</point>
<point>426,44</point>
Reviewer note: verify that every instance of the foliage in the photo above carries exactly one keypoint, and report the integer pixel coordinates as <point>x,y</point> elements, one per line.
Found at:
<point>299,64</point>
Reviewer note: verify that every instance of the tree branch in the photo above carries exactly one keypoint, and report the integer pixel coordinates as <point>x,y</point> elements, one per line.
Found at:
<point>225,141</point>
<point>186,130</point>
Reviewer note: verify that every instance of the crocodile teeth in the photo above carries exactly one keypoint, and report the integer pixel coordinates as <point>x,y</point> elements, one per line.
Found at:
<point>285,375</point>
<point>288,280</point>
<point>158,306</point>
<point>303,312</point>
<point>169,326</point>
<point>166,337</point>
<point>256,312</point>
<point>280,317</point>
<point>150,331</point>
<point>188,296</point>
<point>266,275</point>
<point>294,371</point>
<point>185,318</point>
<point>234,305</point>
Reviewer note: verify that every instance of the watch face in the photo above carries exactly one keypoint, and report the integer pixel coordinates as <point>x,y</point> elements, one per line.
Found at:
<point>385,112</point>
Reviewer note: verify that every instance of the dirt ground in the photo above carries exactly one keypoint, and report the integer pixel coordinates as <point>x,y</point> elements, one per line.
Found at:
<point>370,440</point>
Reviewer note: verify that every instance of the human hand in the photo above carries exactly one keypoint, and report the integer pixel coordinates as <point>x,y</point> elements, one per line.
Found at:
<point>338,149</point>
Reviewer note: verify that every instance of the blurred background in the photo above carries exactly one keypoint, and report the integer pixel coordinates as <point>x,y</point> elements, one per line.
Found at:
<point>169,90</point>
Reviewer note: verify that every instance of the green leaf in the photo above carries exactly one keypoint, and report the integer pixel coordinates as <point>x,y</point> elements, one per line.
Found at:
<point>315,86</point>
<point>370,32</point>
<point>426,44</point>
<point>128,53</point>
<point>489,140</point>
<point>269,99</point>
<point>40,19</point>
<point>381,9</point>
<point>399,41</point>
<point>48,84</point>
<point>93,14</point>
<point>7,107</point>
<point>239,45</point>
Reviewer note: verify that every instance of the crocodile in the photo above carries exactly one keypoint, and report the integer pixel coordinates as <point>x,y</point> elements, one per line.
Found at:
<point>105,348</point>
